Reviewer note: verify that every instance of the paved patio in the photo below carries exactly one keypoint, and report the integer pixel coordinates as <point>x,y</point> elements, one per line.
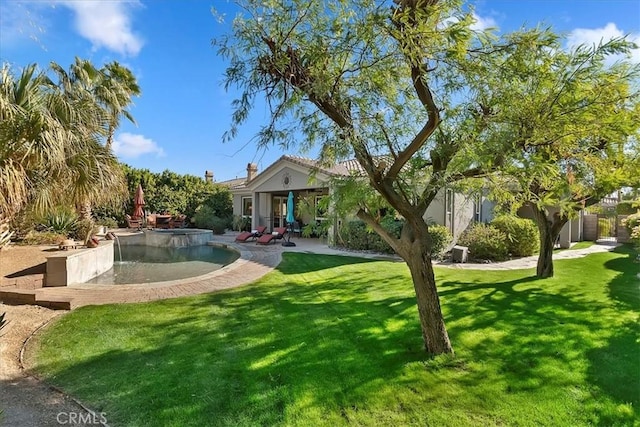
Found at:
<point>255,261</point>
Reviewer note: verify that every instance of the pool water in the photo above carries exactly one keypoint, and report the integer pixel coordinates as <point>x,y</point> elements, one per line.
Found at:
<point>146,264</point>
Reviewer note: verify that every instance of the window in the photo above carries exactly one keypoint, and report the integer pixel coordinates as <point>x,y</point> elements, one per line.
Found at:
<point>247,206</point>
<point>448,203</point>
<point>477,208</point>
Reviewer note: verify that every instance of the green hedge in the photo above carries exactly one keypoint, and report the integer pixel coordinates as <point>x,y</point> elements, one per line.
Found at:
<point>485,242</point>
<point>523,237</point>
<point>356,236</point>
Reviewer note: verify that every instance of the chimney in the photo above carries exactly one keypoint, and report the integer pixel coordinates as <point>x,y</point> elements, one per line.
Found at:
<point>252,171</point>
<point>208,176</point>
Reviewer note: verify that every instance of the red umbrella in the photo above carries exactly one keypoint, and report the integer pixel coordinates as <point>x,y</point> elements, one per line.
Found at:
<point>138,203</point>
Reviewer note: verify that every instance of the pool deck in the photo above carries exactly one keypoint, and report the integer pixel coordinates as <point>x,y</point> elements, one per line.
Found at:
<point>255,261</point>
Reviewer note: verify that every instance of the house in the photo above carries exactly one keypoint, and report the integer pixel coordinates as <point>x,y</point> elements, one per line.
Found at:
<point>263,196</point>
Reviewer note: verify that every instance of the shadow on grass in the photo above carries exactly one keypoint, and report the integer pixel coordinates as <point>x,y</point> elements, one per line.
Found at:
<point>324,337</point>
<point>625,287</point>
<point>615,369</point>
<point>244,356</point>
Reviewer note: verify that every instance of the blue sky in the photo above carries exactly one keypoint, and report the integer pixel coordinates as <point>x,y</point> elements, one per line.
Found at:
<point>184,109</point>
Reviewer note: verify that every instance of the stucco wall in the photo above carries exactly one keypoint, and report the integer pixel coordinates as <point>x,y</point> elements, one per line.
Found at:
<point>275,182</point>
<point>435,212</point>
<point>462,214</point>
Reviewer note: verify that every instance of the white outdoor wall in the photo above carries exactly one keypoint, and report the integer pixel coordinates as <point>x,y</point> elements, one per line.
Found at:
<point>435,212</point>
<point>462,214</point>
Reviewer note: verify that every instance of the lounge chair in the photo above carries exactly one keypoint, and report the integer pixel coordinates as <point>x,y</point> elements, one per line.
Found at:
<point>278,233</point>
<point>253,234</point>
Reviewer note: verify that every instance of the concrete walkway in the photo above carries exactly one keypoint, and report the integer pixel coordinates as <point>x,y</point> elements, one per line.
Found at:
<point>531,261</point>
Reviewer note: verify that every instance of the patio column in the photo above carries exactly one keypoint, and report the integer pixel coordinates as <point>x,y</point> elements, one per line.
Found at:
<point>255,215</point>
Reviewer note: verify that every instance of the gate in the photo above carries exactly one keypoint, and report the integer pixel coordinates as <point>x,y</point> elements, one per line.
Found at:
<point>607,228</point>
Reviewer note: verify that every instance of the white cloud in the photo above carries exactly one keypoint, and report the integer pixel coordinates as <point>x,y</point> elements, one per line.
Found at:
<point>482,23</point>
<point>131,146</point>
<point>595,36</point>
<point>106,24</point>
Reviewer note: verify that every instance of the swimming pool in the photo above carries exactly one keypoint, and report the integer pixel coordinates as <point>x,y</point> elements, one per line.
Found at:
<point>147,264</point>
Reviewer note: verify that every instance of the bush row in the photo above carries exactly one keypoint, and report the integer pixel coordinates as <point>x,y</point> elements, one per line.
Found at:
<point>357,236</point>
<point>505,235</point>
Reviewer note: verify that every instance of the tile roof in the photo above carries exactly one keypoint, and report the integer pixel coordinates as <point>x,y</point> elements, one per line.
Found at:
<point>345,168</point>
<point>233,183</point>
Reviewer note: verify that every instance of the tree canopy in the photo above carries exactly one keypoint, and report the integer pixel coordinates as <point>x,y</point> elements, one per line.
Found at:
<point>413,92</point>
<point>571,122</point>
<point>51,133</point>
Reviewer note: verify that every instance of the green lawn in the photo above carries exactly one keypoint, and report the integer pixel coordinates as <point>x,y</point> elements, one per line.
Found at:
<point>329,340</point>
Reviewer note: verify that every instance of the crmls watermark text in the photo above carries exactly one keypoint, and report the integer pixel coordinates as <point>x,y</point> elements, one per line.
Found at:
<point>71,418</point>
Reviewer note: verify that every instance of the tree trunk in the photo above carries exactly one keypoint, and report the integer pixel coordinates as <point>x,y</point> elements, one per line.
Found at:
<point>109,142</point>
<point>414,246</point>
<point>434,331</point>
<point>545,258</point>
<point>549,232</point>
<point>84,210</point>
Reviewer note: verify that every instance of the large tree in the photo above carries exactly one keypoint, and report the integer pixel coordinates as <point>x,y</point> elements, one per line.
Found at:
<point>50,144</point>
<point>572,119</point>
<point>106,92</point>
<point>393,85</point>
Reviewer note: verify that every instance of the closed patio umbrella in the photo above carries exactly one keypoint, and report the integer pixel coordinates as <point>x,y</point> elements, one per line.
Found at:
<point>138,203</point>
<point>290,219</point>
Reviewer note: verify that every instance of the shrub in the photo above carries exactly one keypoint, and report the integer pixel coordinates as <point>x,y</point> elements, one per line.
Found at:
<point>42,238</point>
<point>241,223</point>
<point>627,207</point>
<point>205,218</point>
<point>440,238</point>
<point>84,229</point>
<point>485,242</point>
<point>357,236</point>
<point>315,229</point>
<point>354,235</point>
<point>60,220</point>
<point>523,237</point>
<point>632,223</point>
<point>107,222</point>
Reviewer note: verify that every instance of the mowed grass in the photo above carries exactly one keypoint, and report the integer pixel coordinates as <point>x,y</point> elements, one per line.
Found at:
<point>329,341</point>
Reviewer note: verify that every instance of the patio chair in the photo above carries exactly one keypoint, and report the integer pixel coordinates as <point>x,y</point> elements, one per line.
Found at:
<point>253,234</point>
<point>151,221</point>
<point>277,234</point>
<point>133,223</point>
<point>296,229</point>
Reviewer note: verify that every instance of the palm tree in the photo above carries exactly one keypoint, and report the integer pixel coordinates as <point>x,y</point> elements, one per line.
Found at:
<point>50,150</point>
<point>119,86</point>
<point>97,173</point>
<point>31,136</point>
